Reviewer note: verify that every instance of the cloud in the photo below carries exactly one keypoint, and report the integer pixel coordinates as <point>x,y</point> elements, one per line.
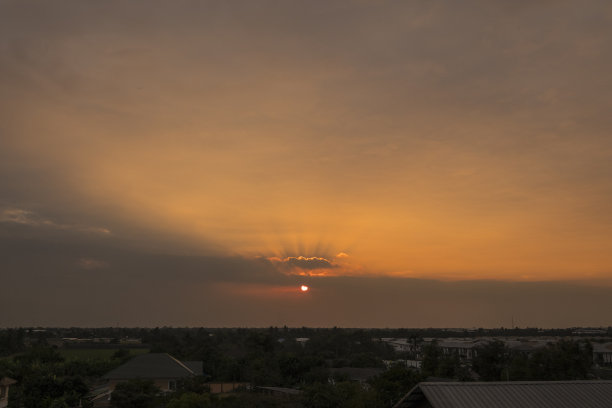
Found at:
<point>20,216</point>
<point>153,288</point>
<point>303,265</point>
<point>308,263</point>
<point>32,219</point>
<point>342,255</point>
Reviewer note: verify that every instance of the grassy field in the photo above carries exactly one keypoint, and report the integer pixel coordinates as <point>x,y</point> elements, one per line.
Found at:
<point>94,353</point>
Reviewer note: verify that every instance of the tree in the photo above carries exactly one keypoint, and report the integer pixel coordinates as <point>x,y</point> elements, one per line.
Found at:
<point>45,390</point>
<point>390,386</point>
<point>565,360</point>
<point>492,360</point>
<point>340,395</point>
<point>431,359</point>
<point>135,394</point>
<point>191,400</point>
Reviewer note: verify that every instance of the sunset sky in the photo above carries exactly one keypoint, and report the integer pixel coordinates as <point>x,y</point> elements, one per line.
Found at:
<point>416,163</point>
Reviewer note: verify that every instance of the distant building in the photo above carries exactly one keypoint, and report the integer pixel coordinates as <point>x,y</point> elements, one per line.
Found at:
<point>464,349</point>
<point>589,331</point>
<point>5,384</point>
<point>534,394</point>
<point>467,349</point>
<point>602,354</point>
<point>404,363</point>
<point>402,345</point>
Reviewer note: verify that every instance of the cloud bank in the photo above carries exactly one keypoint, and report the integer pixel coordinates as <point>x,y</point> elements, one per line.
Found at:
<point>87,280</point>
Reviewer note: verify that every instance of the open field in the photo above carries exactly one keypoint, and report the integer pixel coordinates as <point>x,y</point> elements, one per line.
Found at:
<point>95,353</point>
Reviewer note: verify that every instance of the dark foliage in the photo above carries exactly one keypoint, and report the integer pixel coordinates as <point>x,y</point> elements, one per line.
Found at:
<point>135,394</point>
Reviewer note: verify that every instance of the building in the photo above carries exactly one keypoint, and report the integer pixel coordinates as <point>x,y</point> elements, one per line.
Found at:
<point>534,394</point>
<point>5,384</point>
<point>464,349</point>
<point>404,363</point>
<point>602,354</point>
<point>402,345</point>
<point>467,349</point>
<point>161,368</point>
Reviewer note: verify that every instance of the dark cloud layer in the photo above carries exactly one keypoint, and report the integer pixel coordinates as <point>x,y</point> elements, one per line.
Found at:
<point>87,280</point>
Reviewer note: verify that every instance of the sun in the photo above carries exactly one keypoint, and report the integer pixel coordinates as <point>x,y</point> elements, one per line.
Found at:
<point>304,288</point>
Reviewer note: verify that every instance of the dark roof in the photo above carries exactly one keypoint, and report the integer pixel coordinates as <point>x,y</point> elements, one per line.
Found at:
<point>151,366</point>
<point>534,394</point>
<point>195,366</point>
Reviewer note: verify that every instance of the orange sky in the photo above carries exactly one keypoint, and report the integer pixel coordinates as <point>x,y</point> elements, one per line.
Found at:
<point>432,141</point>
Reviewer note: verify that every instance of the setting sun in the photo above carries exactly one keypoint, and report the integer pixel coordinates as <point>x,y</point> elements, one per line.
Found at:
<point>304,288</point>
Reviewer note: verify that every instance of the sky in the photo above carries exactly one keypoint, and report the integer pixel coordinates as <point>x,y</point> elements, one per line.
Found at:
<point>415,163</point>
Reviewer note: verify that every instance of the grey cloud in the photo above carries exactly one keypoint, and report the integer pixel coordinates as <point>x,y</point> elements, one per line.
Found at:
<point>25,217</point>
<point>26,250</point>
<point>305,263</point>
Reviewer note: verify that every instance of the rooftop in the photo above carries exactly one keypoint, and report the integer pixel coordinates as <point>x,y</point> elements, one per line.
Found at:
<point>151,366</point>
<point>532,394</point>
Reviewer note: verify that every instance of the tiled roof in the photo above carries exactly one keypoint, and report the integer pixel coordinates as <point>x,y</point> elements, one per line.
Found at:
<point>536,394</point>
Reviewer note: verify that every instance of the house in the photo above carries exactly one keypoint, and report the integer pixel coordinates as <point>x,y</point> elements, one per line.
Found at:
<point>5,384</point>
<point>529,394</point>
<point>602,354</point>
<point>161,368</point>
